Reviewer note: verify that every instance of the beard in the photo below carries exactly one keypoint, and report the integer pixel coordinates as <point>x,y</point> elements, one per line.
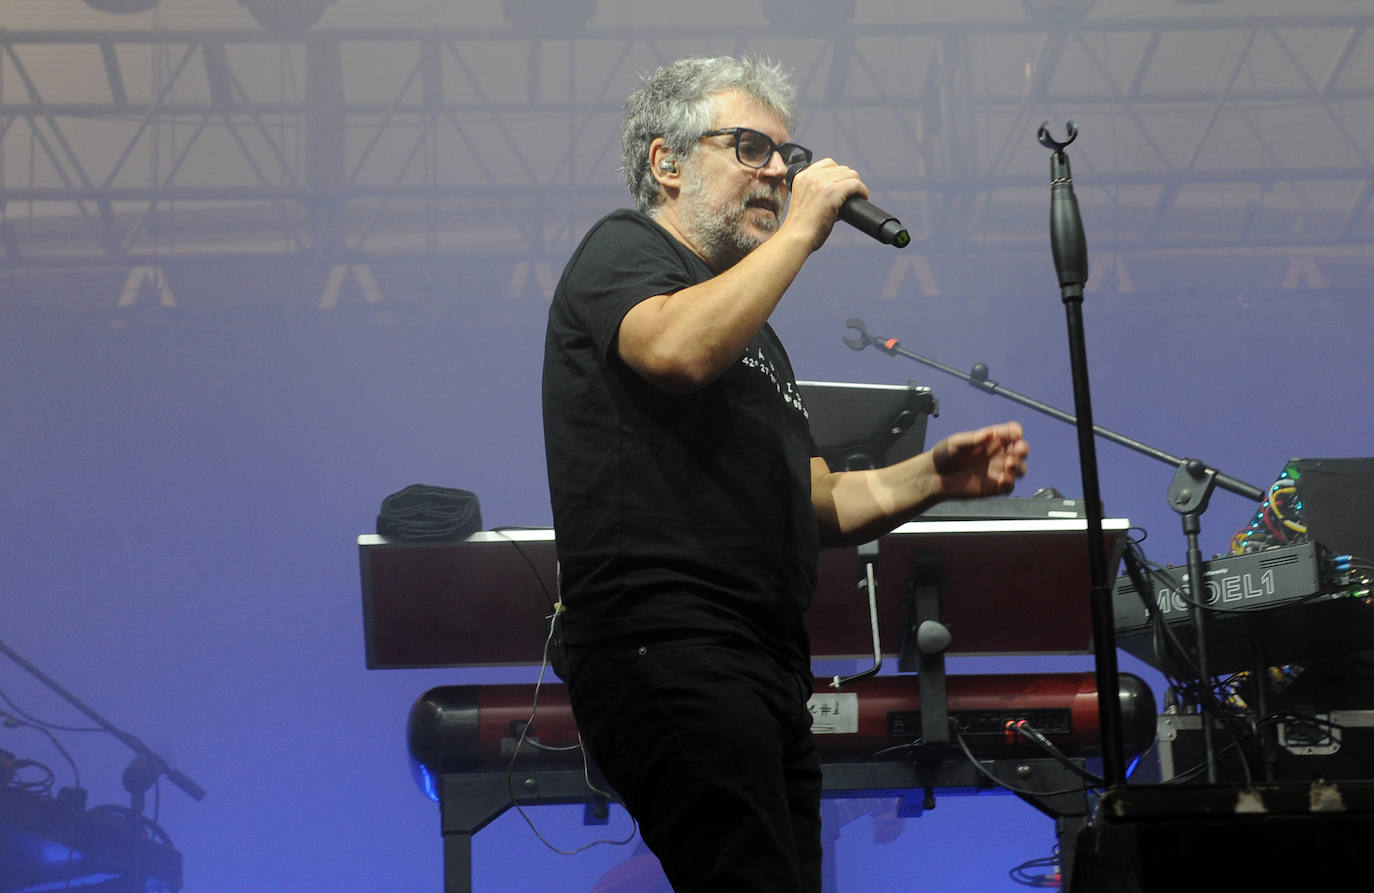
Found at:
<point>719,228</point>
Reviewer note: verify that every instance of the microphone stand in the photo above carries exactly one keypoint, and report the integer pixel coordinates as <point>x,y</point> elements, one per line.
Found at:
<point>1071,262</point>
<point>1188,494</point>
<point>147,765</point>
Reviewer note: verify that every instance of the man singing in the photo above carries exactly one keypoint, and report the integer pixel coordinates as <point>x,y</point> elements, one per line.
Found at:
<point>689,500</point>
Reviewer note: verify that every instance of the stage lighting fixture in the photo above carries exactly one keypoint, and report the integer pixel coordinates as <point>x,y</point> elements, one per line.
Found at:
<point>808,16</point>
<point>1057,12</point>
<point>548,18</point>
<point>122,7</point>
<point>286,16</point>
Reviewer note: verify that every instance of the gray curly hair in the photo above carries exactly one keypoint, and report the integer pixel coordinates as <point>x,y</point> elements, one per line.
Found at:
<point>677,102</point>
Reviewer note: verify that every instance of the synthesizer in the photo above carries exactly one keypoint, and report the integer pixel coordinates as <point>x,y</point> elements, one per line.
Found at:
<point>1265,608</point>
<point>1252,582</point>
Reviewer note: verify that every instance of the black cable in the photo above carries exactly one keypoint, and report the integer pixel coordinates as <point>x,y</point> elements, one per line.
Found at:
<point>1171,657</point>
<point>534,571</point>
<point>1175,658</point>
<point>1004,785</point>
<point>122,816</point>
<point>1036,737</point>
<point>1053,878</point>
<point>896,748</point>
<point>41,723</point>
<point>39,786</point>
<point>1183,776</point>
<point>14,722</point>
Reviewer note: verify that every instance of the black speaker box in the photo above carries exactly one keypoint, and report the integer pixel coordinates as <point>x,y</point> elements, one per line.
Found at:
<point>1284,836</point>
<point>1337,496</point>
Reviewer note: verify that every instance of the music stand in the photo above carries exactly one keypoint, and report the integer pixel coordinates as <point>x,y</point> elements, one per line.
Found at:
<point>867,425</point>
<point>862,426</point>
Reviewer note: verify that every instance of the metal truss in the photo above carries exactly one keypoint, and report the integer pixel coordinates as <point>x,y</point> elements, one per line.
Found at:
<point>354,147</point>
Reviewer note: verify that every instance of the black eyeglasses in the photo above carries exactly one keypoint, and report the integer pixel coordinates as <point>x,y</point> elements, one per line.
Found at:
<point>754,149</point>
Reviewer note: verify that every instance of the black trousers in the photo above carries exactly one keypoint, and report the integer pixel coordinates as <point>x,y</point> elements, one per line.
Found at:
<point>707,740</point>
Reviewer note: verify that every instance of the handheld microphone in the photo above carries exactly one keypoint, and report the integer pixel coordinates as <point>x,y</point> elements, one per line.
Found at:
<point>865,216</point>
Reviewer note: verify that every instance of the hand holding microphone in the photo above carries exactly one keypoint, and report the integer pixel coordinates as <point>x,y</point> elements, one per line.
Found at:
<point>864,216</point>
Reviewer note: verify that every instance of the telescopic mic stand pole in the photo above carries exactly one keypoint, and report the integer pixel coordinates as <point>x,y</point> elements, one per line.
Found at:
<point>1189,494</point>
<point>1071,262</point>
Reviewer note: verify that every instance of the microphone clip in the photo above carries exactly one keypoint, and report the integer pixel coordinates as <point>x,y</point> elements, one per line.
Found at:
<point>1067,241</point>
<point>863,339</point>
<point>1049,142</point>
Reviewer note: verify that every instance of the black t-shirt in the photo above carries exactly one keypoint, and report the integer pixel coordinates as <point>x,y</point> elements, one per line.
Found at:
<point>673,514</point>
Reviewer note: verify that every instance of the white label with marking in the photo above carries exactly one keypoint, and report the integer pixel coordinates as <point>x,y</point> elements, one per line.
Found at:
<point>834,714</point>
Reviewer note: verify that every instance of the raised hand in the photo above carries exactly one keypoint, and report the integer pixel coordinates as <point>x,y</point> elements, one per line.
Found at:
<point>981,463</point>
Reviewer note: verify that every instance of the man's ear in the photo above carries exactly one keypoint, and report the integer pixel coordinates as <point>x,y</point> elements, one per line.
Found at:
<point>664,165</point>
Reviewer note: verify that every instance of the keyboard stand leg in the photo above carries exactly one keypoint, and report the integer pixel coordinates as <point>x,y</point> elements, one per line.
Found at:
<point>458,862</point>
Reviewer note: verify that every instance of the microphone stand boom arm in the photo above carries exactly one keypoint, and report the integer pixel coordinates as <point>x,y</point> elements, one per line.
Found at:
<point>978,378</point>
